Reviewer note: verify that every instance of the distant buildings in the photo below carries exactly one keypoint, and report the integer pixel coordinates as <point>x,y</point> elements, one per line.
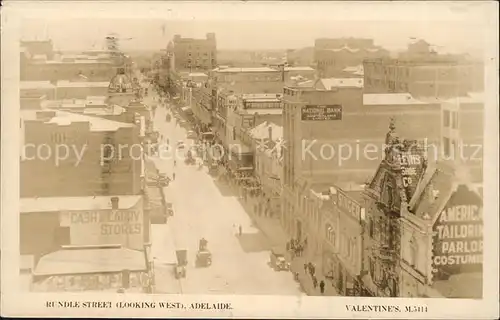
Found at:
<point>332,56</point>
<point>194,54</point>
<point>424,73</point>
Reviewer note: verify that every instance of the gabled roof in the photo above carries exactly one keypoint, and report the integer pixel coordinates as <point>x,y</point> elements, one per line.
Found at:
<point>54,204</point>
<point>436,188</point>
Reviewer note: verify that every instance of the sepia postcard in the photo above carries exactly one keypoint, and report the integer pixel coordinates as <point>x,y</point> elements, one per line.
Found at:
<point>250,159</point>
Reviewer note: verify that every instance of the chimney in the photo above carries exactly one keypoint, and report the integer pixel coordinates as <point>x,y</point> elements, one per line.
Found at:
<point>270,132</point>
<point>114,202</point>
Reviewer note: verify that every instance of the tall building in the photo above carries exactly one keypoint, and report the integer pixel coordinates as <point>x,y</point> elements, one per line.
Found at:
<point>332,56</point>
<point>69,155</point>
<point>424,228</point>
<point>389,192</point>
<point>332,136</point>
<point>462,131</point>
<point>195,54</point>
<point>424,73</point>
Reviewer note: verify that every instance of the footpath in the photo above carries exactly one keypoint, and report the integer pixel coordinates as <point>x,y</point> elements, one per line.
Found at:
<point>276,235</point>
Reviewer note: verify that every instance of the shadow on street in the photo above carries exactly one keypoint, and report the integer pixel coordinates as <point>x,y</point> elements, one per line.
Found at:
<point>225,189</point>
<point>253,242</point>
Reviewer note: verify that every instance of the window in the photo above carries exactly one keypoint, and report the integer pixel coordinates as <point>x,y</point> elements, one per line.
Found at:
<point>446,118</point>
<point>454,120</point>
<point>330,234</point>
<point>446,147</point>
<point>370,227</point>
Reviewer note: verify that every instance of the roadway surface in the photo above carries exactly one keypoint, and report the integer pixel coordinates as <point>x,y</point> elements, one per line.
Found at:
<point>206,208</point>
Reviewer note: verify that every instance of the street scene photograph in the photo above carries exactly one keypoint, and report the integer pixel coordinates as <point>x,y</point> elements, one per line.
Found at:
<point>277,158</point>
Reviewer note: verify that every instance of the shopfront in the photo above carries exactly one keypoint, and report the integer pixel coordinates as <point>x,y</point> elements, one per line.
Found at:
<point>104,269</point>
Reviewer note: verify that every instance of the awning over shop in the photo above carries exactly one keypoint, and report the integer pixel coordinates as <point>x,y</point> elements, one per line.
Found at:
<point>90,260</point>
<point>245,169</point>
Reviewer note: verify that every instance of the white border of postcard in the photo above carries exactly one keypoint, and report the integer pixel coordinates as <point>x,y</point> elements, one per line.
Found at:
<point>15,303</point>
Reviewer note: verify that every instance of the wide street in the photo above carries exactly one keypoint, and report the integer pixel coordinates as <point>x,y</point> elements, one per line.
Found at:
<point>240,263</point>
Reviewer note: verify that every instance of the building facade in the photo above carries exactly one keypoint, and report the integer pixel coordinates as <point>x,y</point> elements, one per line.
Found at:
<point>194,54</point>
<point>462,132</point>
<point>431,75</point>
<point>89,164</point>
<point>341,234</point>
<point>332,56</point>
<point>442,236</point>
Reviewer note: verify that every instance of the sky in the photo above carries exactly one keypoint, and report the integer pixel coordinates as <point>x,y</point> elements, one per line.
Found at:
<point>449,35</point>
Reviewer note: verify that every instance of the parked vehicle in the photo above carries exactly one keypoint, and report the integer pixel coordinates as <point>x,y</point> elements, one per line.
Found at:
<point>203,258</point>
<point>180,267</point>
<point>278,261</point>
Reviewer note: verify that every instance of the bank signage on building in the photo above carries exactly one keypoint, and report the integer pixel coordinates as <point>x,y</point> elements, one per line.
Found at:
<point>458,235</point>
<point>90,227</point>
<point>321,113</point>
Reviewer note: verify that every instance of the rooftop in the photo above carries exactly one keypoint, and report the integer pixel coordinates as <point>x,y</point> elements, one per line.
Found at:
<point>384,99</point>
<point>261,95</point>
<point>197,74</point>
<point>36,85</point>
<point>261,131</point>
<point>472,97</point>
<point>299,69</point>
<point>436,187</point>
<point>63,118</point>
<point>331,83</point>
<point>264,111</point>
<point>54,204</point>
<point>356,70</point>
<point>82,84</point>
<point>106,110</point>
<point>354,50</point>
<point>72,261</point>
<point>244,70</point>
<point>85,61</point>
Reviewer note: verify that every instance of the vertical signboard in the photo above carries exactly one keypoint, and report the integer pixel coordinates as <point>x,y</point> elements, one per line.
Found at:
<point>458,239</point>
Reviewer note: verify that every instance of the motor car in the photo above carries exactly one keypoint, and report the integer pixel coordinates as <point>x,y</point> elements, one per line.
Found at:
<point>191,134</point>
<point>180,144</point>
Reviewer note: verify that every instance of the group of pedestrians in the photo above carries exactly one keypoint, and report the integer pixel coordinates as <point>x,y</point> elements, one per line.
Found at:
<point>296,247</point>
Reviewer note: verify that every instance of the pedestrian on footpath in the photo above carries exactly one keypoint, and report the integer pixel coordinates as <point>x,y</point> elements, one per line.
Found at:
<point>173,176</point>
<point>322,286</point>
<point>240,230</point>
<point>305,267</point>
<point>315,282</point>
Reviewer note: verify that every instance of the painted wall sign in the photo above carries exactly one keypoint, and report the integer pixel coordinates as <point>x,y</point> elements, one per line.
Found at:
<point>107,227</point>
<point>348,205</point>
<point>458,239</point>
<point>321,113</point>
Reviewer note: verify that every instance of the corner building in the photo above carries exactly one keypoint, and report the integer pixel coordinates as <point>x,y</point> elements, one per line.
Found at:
<point>348,148</point>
